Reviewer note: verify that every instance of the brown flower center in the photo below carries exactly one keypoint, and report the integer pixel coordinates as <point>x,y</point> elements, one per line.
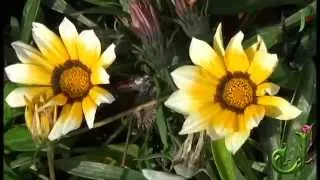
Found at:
<point>236,91</point>
<point>72,79</point>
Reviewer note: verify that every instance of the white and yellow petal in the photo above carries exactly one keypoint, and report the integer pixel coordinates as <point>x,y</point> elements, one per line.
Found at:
<point>28,74</point>
<point>29,55</point>
<point>235,140</point>
<point>278,108</point>
<point>108,56</point>
<point>253,49</point>
<point>194,79</point>
<point>262,66</point>
<point>218,41</point>
<point>100,95</point>
<point>203,55</point>
<point>184,103</point>
<point>49,44</point>
<point>89,47</point>
<point>57,129</point>
<point>74,118</point>
<point>69,36</point>
<point>235,57</point>
<point>193,124</point>
<point>58,100</point>
<point>99,76</point>
<point>267,88</point>
<point>253,114</point>
<point>16,97</point>
<point>89,110</point>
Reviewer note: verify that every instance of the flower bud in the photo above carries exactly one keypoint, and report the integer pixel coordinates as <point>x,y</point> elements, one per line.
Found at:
<point>39,120</point>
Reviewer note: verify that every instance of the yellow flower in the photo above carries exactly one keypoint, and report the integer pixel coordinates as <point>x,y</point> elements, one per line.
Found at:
<point>39,121</point>
<point>69,70</point>
<point>226,92</point>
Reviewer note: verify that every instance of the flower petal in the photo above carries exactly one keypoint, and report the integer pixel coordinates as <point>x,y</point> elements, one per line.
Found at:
<point>57,129</point>
<point>28,74</point>
<point>100,95</point>
<point>89,47</point>
<point>89,110</point>
<point>235,140</point>
<point>253,49</point>
<point>28,114</point>
<point>193,124</point>
<point>267,88</point>
<point>99,76</point>
<point>49,44</point>
<point>203,55</point>
<point>184,103</point>
<point>108,56</point>
<point>218,41</point>
<point>58,100</point>
<point>235,58</point>
<point>74,118</point>
<point>224,122</point>
<point>253,114</point>
<point>29,55</point>
<point>69,36</point>
<point>194,79</point>
<point>262,66</point>
<point>16,97</point>
<point>278,108</point>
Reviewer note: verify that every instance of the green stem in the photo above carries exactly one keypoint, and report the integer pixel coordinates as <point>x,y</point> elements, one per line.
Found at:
<point>50,156</point>
<point>223,160</point>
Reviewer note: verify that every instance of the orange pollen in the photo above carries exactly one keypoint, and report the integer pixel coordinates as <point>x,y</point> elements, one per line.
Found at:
<point>238,93</point>
<point>75,82</point>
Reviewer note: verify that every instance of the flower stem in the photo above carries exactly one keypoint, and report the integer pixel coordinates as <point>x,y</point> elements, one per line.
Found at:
<point>50,156</point>
<point>223,160</point>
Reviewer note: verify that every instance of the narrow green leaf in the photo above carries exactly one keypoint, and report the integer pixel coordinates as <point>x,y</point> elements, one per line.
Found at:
<point>125,5</point>
<point>162,126</point>
<point>103,3</point>
<point>244,164</point>
<point>10,113</point>
<point>159,175</point>
<point>29,15</point>
<point>63,7</point>
<point>94,170</point>
<point>22,161</point>
<point>223,160</point>
<point>101,10</point>
<point>14,28</point>
<point>19,139</point>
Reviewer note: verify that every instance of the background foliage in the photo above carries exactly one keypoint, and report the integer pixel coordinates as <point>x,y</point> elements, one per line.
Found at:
<point>118,147</point>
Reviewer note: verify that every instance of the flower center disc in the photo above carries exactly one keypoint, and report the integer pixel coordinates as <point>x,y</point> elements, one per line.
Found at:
<point>74,81</point>
<point>238,93</point>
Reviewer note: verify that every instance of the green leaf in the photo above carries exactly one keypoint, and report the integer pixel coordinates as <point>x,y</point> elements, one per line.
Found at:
<point>94,170</point>
<point>223,160</point>
<point>244,164</point>
<point>101,10</point>
<point>162,126</point>
<point>309,172</point>
<point>19,139</point>
<point>103,3</point>
<point>63,7</point>
<point>233,7</point>
<point>29,15</point>
<point>272,34</point>
<point>160,175</point>
<point>14,28</point>
<point>24,161</point>
<point>125,5</point>
<point>10,113</point>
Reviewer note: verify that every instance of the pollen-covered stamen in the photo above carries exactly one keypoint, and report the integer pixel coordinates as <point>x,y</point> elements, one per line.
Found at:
<point>72,78</point>
<point>238,93</point>
<point>75,82</point>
